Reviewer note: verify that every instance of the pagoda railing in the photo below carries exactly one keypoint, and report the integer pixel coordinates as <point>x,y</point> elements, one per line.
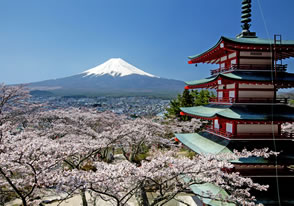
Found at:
<point>287,135</point>
<point>218,132</point>
<point>283,135</point>
<point>222,100</point>
<point>247,100</point>
<point>258,67</point>
<point>229,135</point>
<point>263,100</point>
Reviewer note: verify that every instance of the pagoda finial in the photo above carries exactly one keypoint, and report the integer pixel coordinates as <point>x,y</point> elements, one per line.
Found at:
<point>245,20</point>
<point>246,14</point>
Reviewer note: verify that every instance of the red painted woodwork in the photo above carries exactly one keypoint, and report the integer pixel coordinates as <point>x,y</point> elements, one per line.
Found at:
<point>226,47</point>
<point>236,67</point>
<point>233,136</point>
<point>222,100</point>
<point>219,132</point>
<point>231,100</point>
<point>213,84</point>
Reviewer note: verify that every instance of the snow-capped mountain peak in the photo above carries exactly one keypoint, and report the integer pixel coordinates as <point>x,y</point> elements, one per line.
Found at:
<point>115,67</point>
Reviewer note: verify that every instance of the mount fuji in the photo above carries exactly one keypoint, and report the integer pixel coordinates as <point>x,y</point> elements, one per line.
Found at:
<point>114,77</point>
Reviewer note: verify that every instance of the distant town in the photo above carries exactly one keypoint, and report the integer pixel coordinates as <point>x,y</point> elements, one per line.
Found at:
<point>130,106</point>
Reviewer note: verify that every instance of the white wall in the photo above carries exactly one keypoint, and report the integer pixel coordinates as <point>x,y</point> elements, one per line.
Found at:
<point>255,61</point>
<point>255,54</point>
<point>230,86</point>
<point>232,55</point>
<point>254,86</point>
<point>256,94</point>
<point>256,128</point>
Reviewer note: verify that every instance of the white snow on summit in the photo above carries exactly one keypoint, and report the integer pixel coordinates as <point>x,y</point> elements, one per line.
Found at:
<point>115,67</point>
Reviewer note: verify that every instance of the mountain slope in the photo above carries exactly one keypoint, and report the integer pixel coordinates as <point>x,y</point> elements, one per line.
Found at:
<point>112,78</point>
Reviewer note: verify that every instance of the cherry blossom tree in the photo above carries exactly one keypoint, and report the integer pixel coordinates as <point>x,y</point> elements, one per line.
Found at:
<point>15,103</point>
<point>161,173</point>
<point>24,161</point>
<point>85,136</point>
<point>16,146</point>
<point>76,150</point>
<point>166,175</point>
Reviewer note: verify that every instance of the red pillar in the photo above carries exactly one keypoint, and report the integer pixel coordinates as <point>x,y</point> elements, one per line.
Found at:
<point>236,92</point>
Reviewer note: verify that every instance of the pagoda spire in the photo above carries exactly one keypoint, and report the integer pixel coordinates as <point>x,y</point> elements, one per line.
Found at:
<point>245,20</point>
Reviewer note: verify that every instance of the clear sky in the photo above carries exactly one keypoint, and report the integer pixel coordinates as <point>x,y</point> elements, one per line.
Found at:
<point>47,39</point>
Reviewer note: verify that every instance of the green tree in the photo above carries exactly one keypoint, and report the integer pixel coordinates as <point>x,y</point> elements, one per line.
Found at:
<point>202,97</point>
<point>188,99</point>
<point>174,107</point>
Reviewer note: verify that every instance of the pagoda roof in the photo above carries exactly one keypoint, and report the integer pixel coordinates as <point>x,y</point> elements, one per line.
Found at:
<point>206,143</point>
<point>209,188</point>
<point>227,45</point>
<point>261,112</point>
<point>202,145</point>
<point>284,78</point>
<point>256,40</point>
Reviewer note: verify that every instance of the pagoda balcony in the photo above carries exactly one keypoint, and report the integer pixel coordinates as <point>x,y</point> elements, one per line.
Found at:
<point>248,67</point>
<point>283,135</point>
<point>230,100</point>
<point>221,100</point>
<point>229,135</point>
<point>224,134</point>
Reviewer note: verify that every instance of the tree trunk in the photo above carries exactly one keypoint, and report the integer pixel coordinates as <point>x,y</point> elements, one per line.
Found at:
<point>84,199</point>
<point>142,198</point>
<point>24,202</point>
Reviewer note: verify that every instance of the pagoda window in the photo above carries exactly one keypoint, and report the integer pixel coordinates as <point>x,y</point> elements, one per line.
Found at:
<point>216,125</point>
<point>229,127</point>
<point>230,86</point>
<point>234,61</point>
<point>220,94</point>
<point>222,65</point>
<point>221,86</point>
<point>223,58</point>
<point>232,55</point>
<point>232,94</point>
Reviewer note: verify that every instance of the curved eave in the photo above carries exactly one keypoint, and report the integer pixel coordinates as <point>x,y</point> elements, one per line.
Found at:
<point>207,111</point>
<point>242,112</point>
<point>259,112</point>
<point>202,145</point>
<point>202,83</point>
<point>285,48</point>
<point>257,41</point>
<point>283,80</point>
<point>213,190</point>
<point>281,159</point>
<point>215,46</point>
<point>210,55</point>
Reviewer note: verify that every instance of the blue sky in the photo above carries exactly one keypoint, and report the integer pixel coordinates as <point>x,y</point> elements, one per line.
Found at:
<point>50,39</point>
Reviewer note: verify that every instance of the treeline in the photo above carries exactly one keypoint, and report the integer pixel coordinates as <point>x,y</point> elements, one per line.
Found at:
<point>188,99</point>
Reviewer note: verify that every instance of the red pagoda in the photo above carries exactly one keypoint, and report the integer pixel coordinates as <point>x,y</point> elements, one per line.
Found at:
<point>246,112</point>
